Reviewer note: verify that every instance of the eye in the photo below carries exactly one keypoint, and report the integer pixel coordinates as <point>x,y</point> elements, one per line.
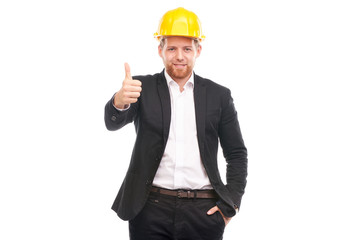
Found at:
<point>171,49</point>
<point>188,49</point>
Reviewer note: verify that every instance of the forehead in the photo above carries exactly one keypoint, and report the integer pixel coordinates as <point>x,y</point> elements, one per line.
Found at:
<point>176,41</point>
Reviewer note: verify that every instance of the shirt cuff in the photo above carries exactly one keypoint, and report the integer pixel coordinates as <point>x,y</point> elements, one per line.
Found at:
<point>126,107</point>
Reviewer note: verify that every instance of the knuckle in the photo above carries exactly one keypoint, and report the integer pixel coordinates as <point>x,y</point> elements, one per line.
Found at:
<point>137,82</point>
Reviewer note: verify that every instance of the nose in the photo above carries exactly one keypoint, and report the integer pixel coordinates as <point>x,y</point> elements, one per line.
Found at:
<point>179,55</point>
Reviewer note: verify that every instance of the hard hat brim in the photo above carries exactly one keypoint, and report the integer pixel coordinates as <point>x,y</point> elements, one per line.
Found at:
<point>158,37</point>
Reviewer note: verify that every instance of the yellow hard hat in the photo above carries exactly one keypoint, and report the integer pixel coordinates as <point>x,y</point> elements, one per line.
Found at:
<point>180,22</point>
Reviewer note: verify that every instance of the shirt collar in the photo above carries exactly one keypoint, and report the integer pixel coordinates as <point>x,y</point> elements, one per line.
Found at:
<point>169,79</point>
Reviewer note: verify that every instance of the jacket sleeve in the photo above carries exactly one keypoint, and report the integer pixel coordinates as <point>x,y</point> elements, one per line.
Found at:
<point>115,119</point>
<point>235,154</point>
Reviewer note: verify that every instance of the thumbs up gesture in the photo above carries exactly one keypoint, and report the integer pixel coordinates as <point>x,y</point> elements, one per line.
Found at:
<point>129,92</point>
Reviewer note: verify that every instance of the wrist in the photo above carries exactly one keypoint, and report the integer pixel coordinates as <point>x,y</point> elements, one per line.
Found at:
<point>117,104</point>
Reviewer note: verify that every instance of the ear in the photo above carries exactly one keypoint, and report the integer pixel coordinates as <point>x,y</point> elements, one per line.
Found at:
<point>198,51</point>
<point>160,51</point>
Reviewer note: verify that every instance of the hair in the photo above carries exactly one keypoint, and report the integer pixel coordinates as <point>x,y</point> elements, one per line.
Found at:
<point>162,42</point>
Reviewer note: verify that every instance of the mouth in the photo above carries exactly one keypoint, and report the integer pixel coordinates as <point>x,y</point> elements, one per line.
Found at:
<point>180,66</point>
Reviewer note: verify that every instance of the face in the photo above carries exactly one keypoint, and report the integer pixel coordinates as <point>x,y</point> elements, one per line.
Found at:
<point>179,55</point>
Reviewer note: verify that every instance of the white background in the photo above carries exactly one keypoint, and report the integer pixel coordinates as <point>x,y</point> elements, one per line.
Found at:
<point>292,66</point>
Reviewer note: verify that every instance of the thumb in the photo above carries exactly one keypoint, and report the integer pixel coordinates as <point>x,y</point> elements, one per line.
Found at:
<point>127,71</point>
<point>212,210</point>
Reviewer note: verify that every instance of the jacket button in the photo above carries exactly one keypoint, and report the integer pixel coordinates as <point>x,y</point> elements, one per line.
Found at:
<point>113,118</point>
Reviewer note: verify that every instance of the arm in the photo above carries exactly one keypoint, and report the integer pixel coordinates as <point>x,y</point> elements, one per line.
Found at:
<point>117,110</point>
<point>116,119</point>
<point>235,154</point>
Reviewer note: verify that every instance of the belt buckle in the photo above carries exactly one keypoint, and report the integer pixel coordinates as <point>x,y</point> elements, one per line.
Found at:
<point>180,192</point>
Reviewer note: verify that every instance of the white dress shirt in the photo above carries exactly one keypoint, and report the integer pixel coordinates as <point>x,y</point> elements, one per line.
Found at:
<point>181,166</point>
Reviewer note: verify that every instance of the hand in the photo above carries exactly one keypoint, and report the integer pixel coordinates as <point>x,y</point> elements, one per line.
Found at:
<point>214,210</point>
<point>130,91</point>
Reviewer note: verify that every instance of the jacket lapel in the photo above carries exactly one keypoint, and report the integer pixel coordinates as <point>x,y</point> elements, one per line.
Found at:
<point>200,110</point>
<point>164,95</point>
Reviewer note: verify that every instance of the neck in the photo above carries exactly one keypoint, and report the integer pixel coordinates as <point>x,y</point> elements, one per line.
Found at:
<point>180,81</point>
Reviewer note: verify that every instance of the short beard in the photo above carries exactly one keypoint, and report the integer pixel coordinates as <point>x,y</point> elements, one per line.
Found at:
<point>178,74</point>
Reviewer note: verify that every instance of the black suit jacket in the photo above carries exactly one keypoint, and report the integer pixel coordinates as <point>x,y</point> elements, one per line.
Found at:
<point>216,119</point>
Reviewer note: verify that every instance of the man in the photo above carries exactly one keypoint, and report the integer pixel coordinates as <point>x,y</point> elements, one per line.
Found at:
<point>173,189</point>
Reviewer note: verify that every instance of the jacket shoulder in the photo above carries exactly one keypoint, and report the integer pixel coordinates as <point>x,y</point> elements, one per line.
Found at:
<point>210,84</point>
<point>147,78</point>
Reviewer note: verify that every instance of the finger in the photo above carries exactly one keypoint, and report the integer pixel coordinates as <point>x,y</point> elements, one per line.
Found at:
<point>131,100</point>
<point>135,82</point>
<point>212,210</point>
<point>132,88</point>
<point>127,71</point>
<point>132,94</point>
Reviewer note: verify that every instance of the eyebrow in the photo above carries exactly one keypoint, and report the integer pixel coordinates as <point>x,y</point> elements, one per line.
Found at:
<point>177,46</point>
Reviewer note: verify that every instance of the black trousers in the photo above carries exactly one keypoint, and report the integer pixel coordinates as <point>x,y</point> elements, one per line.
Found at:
<point>170,218</point>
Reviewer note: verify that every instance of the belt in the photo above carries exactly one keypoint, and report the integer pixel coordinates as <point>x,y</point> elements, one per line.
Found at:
<point>186,193</point>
